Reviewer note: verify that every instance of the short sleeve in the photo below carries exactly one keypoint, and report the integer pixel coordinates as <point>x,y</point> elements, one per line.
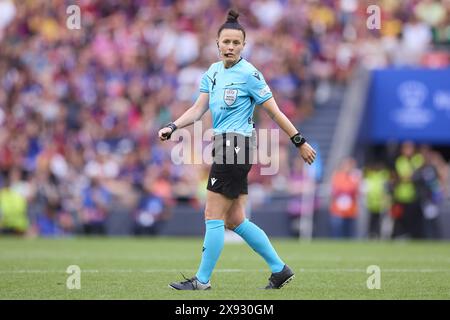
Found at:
<point>204,85</point>
<point>258,88</point>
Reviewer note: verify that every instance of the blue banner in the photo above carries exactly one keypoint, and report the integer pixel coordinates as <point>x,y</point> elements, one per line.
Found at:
<point>410,104</point>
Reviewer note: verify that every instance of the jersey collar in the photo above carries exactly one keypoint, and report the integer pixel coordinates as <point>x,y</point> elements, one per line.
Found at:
<point>233,64</point>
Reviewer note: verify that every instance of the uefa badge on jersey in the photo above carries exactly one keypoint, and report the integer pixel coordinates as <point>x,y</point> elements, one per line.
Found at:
<point>230,96</point>
<point>264,91</point>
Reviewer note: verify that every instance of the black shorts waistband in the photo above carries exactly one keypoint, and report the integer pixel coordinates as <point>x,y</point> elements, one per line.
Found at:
<point>225,135</point>
<point>232,148</point>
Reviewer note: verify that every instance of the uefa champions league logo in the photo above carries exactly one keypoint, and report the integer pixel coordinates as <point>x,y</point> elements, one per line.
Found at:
<point>412,94</point>
<point>412,114</point>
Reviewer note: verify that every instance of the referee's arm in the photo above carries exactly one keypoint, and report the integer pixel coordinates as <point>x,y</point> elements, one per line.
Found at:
<point>195,112</point>
<point>191,115</point>
<point>270,106</point>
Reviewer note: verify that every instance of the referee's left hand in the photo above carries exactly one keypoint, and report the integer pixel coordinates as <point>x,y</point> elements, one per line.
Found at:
<point>307,153</point>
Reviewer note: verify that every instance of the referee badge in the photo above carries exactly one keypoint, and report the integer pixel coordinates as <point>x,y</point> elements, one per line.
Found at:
<point>230,96</point>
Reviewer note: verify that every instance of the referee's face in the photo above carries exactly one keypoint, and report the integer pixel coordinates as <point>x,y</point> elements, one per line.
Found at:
<point>231,43</point>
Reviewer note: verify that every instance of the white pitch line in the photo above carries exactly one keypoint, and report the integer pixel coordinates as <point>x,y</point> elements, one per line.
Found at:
<point>19,271</point>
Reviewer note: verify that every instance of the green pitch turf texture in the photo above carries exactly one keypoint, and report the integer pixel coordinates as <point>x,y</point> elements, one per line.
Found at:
<point>141,268</point>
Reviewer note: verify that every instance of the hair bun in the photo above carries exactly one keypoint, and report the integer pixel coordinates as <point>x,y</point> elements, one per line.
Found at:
<point>232,16</point>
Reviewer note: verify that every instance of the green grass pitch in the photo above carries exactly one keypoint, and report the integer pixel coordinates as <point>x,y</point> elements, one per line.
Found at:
<point>141,268</point>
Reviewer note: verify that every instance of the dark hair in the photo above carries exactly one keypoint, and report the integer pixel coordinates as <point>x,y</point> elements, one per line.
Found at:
<point>231,23</point>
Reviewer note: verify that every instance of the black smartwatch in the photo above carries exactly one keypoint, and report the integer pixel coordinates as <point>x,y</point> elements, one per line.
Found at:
<point>298,140</point>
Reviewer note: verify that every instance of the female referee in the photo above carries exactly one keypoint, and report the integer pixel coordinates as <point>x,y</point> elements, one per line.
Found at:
<point>230,89</point>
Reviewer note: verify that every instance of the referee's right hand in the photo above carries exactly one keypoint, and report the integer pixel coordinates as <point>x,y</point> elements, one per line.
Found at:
<point>165,133</point>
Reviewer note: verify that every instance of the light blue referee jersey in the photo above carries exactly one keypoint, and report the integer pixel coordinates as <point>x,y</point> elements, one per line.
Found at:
<point>233,94</point>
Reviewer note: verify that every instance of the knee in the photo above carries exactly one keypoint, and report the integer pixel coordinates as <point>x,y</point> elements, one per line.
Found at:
<point>211,215</point>
<point>232,224</point>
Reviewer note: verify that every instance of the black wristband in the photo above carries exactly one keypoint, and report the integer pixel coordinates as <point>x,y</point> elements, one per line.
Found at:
<point>172,126</point>
<point>298,140</point>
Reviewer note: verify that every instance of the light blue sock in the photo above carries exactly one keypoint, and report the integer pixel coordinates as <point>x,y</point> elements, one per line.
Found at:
<point>257,239</point>
<point>212,247</point>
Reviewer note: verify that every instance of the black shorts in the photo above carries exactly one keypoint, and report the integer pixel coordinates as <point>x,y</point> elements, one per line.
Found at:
<point>233,156</point>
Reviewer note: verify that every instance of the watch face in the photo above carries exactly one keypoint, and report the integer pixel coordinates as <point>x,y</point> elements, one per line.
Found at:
<point>297,139</point>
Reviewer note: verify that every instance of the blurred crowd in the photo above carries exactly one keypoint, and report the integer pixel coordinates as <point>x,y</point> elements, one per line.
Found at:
<point>402,195</point>
<point>80,109</point>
